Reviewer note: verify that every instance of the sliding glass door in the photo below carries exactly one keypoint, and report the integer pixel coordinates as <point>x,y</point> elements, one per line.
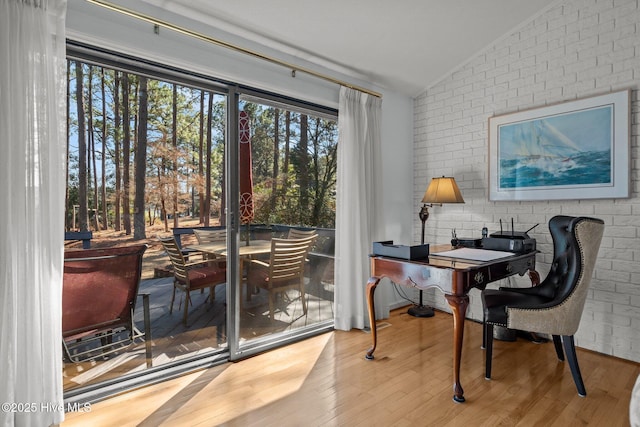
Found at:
<point>161,157</point>
<point>285,184</point>
<point>142,135</point>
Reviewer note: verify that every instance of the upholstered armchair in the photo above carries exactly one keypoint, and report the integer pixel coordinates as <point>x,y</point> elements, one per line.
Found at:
<point>555,306</point>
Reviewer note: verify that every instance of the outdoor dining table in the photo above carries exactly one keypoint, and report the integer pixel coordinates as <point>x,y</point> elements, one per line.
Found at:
<point>255,247</point>
<point>246,251</point>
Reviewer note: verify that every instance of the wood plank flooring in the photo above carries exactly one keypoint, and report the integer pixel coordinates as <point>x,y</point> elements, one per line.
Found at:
<point>326,381</point>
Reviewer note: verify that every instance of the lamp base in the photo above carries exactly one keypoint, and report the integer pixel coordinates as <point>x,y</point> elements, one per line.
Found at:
<point>420,311</point>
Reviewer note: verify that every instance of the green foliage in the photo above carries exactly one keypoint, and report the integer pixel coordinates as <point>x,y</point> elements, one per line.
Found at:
<point>294,181</point>
<point>314,162</point>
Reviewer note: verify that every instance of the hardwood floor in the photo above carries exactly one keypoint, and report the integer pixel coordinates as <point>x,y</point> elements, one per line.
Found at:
<point>326,381</point>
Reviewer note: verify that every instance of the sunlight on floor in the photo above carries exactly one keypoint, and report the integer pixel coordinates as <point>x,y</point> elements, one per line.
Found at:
<point>272,381</point>
<point>186,398</point>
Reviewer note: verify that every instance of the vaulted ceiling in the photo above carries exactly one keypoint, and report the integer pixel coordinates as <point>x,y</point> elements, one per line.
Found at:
<point>402,45</point>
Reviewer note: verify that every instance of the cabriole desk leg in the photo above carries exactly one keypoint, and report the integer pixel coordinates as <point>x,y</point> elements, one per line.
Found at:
<point>459,306</point>
<point>371,289</point>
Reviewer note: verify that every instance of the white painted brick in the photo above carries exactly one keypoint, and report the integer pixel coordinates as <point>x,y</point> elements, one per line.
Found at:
<point>623,335</point>
<point>595,72</point>
<point>552,95</point>
<point>561,20</point>
<point>507,77</point>
<point>534,50</point>
<point>632,288</point>
<point>623,12</point>
<point>520,101</point>
<point>619,32</point>
<point>620,346</point>
<point>626,310</point>
<point>531,89</point>
<point>611,297</point>
<point>635,301</point>
<point>601,52</point>
<point>576,49</point>
<point>588,30</point>
<point>632,244</point>
<point>483,67</point>
<point>581,65</point>
<point>556,53</point>
<point>610,253</point>
<point>615,81</point>
<point>581,86</point>
<point>611,319</point>
<point>594,7</point>
<point>549,35</point>
<point>497,71</point>
<point>601,285</point>
<point>563,79</point>
<point>598,307</point>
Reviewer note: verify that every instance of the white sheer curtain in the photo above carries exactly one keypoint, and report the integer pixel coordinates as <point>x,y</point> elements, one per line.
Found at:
<point>32,190</point>
<point>359,139</point>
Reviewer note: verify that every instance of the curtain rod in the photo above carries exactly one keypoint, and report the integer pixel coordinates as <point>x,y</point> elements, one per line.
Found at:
<point>217,42</point>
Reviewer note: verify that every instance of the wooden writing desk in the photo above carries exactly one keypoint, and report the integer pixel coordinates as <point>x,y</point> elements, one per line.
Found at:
<point>455,278</point>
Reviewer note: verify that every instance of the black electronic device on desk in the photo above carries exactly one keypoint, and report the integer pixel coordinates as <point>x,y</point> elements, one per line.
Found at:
<point>510,241</point>
<point>387,248</point>
<point>464,242</point>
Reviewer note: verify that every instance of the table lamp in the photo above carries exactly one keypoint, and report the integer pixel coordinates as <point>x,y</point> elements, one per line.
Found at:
<point>441,190</point>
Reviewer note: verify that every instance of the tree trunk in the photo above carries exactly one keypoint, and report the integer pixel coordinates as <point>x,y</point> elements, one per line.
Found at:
<point>207,194</point>
<point>318,193</point>
<point>103,186</point>
<point>174,141</point>
<point>287,138</point>
<point>83,218</point>
<point>139,232</point>
<point>116,150</point>
<point>276,157</point>
<point>126,153</point>
<point>200,159</point>
<point>303,172</point>
<point>91,135</point>
<point>163,203</point>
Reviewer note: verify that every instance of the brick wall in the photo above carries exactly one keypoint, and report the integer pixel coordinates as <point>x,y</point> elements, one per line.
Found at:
<point>575,49</point>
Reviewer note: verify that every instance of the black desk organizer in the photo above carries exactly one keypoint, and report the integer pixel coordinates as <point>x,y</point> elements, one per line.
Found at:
<point>387,248</point>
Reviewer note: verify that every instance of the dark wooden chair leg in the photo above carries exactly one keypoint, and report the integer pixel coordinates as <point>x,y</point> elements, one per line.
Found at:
<point>484,333</point>
<point>570,350</point>
<point>557,343</point>
<point>488,337</point>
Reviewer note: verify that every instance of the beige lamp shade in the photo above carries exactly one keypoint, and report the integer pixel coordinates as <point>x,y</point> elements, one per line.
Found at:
<point>443,190</point>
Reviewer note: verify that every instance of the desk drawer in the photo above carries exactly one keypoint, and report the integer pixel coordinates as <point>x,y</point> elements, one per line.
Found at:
<point>508,268</point>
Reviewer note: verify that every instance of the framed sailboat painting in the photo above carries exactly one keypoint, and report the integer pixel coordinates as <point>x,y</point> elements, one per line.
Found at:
<point>573,150</point>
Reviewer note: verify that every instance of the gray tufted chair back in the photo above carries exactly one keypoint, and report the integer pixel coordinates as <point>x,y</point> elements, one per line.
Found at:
<point>576,241</point>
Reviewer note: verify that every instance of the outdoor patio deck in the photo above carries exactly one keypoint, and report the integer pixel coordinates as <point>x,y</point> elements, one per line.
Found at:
<point>206,332</point>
